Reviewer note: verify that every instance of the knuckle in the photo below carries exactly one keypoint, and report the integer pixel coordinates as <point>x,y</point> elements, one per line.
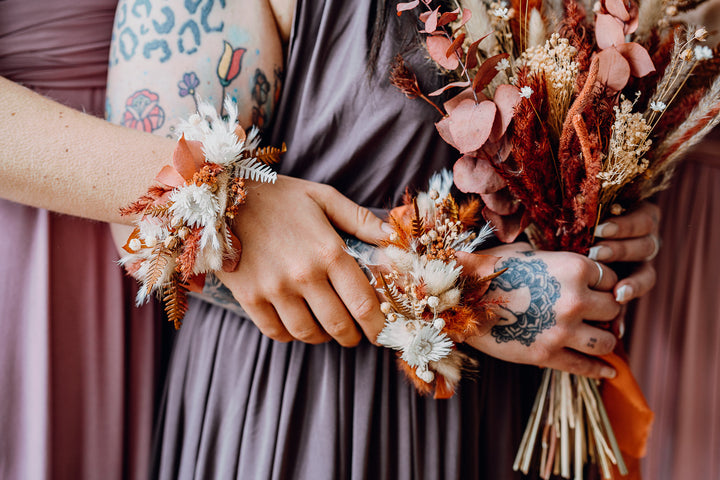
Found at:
<point>363,308</point>
<point>331,253</point>
<point>344,332</point>
<point>275,332</point>
<point>363,215</point>
<point>308,334</point>
<point>606,344</point>
<point>543,355</point>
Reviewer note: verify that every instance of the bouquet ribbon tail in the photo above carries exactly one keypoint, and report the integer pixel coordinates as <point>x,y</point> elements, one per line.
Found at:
<point>629,413</point>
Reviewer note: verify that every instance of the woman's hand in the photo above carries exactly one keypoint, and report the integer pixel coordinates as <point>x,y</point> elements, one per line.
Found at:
<point>549,303</point>
<point>630,238</point>
<point>295,279</point>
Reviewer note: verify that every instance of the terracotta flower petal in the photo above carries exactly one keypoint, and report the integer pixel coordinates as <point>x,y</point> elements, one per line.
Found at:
<point>477,264</point>
<point>170,177</point>
<point>188,158</point>
<point>476,175</point>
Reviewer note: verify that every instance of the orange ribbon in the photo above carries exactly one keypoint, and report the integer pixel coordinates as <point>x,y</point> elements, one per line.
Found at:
<point>629,413</point>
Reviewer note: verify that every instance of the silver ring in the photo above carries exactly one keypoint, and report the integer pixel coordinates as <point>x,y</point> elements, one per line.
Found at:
<point>602,273</point>
<point>656,244</point>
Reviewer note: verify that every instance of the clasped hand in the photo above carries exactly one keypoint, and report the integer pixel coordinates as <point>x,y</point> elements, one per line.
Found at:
<point>296,281</point>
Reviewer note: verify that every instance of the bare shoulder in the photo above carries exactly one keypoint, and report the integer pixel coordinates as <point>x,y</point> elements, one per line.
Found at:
<point>166,53</point>
<point>283,11</point>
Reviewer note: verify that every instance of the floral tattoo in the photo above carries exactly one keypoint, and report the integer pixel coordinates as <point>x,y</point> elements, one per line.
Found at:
<point>539,315</point>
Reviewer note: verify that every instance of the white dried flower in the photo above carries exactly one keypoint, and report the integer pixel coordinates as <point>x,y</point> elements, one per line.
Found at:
<point>433,301</point>
<point>196,205</point>
<point>385,308</point>
<point>501,13</point>
<point>427,345</point>
<point>703,53</point>
<point>134,245</point>
<point>526,92</point>
<point>396,334</point>
<point>438,324</point>
<point>502,65</point>
<point>701,34</point>
<point>657,106</point>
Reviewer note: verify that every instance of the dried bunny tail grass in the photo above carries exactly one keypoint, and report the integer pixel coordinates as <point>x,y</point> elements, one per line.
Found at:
<point>704,117</point>
<point>536,29</point>
<point>553,12</point>
<point>650,14</point>
<point>479,25</point>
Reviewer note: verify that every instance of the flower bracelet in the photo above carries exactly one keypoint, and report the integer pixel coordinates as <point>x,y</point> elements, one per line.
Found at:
<point>183,231</point>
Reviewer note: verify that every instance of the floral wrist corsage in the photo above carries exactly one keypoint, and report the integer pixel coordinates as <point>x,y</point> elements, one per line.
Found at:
<point>183,231</point>
<point>433,285</point>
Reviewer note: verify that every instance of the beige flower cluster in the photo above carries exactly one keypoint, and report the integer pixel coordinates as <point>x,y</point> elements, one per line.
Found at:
<point>628,144</point>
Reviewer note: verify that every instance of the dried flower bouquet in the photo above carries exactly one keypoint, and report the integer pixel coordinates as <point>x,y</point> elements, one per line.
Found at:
<point>563,117</point>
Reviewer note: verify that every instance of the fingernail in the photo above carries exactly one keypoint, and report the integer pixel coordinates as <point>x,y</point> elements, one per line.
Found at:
<point>607,372</point>
<point>624,294</point>
<point>600,252</point>
<point>621,329</point>
<point>386,227</point>
<point>607,229</point>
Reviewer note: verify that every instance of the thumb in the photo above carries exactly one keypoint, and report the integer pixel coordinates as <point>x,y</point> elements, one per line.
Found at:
<point>350,217</point>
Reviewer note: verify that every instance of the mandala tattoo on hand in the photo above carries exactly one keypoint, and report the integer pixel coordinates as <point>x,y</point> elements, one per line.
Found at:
<point>544,293</point>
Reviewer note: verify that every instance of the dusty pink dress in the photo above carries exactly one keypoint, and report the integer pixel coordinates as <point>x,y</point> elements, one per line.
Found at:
<point>675,343</point>
<point>76,359</point>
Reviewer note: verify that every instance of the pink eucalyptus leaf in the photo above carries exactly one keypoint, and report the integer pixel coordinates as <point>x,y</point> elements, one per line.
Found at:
<point>506,99</point>
<point>466,15</point>
<point>466,94</point>
<point>501,202</point>
<point>437,46</point>
<point>617,9</point>
<point>609,31</point>
<point>487,71</point>
<point>455,45</point>
<point>448,86</point>
<point>443,128</point>
<point>639,59</point>
<point>402,7</point>
<point>424,16</point>
<point>507,227</point>
<point>431,21</point>
<point>632,24</point>
<point>471,123</point>
<point>613,69</point>
<point>476,175</point>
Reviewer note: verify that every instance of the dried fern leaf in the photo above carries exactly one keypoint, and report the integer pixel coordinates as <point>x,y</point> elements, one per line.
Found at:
<point>175,299</point>
<point>418,223</point>
<point>158,262</point>
<point>393,295</point>
<point>269,155</point>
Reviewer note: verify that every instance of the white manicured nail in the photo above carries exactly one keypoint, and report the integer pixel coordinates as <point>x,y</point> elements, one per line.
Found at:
<point>599,252</point>
<point>607,229</point>
<point>624,294</point>
<point>607,372</point>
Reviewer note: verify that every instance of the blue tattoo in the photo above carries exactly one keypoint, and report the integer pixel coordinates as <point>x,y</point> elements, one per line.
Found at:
<point>128,42</point>
<point>194,31</point>
<point>544,289</point>
<point>158,29</point>
<point>169,22</point>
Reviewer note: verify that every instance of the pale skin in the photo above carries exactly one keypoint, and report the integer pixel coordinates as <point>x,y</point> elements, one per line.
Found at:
<point>301,284</point>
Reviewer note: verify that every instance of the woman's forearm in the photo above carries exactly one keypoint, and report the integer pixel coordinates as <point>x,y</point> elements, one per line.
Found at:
<point>57,158</point>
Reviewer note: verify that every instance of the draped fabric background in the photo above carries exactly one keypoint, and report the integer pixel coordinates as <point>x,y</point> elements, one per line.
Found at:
<point>77,359</point>
<point>675,341</point>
